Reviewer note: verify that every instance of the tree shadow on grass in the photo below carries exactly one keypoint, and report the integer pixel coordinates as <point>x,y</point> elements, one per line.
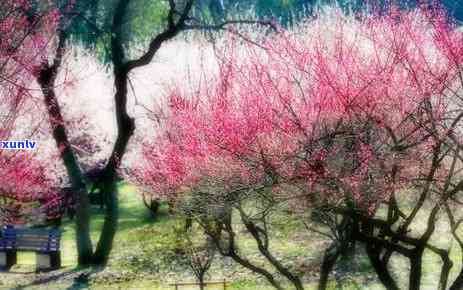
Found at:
<point>47,278</point>
<point>80,281</point>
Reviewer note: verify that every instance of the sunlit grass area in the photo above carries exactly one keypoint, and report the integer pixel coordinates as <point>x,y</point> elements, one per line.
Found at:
<point>145,257</point>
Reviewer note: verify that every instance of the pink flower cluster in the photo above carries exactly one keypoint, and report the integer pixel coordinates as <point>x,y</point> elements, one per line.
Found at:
<point>26,37</point>
<point>342,107</point>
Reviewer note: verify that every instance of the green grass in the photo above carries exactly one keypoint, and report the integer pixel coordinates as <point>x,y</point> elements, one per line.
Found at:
<point>145,256</point>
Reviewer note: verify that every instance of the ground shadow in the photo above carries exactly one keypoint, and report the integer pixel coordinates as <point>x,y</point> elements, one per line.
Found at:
<point>80,281</point>
<point>47,278</point>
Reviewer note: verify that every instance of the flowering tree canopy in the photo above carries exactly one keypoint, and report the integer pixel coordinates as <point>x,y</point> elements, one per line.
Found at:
<point>26,36</point>
<point>343,108</point>
<point>341,114</point>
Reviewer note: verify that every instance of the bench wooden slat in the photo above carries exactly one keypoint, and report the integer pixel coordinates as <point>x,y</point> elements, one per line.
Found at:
<point>32,238</point>
<point>27,242</point>
<point>32,232</point>
<point>21,233</point>
<point>35,240</point>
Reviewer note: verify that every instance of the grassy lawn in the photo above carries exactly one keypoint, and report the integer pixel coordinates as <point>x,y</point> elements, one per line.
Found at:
<point>145,257</point>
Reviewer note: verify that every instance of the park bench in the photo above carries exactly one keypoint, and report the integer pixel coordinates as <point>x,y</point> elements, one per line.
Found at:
<point>44,242</point>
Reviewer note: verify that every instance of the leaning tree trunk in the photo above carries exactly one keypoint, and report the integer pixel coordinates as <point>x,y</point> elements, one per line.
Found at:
<point>262,241</point>
<point>245,263</point>
<point>329,260</point>
<point>380,267</point>
<point>378,262</point>
<point>46,80</point>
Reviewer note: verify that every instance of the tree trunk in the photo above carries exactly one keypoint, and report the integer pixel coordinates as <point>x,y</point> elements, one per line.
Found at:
<point>108,233</point>
<point>329,260</point>
<point>381,268</point>
<point>447,265</point>
<point>107,184</point>
<point>201,282</point>
<point>415,270</point>
<point>83,240</point>
<point>256,269</point>
<point>262,245</point>
<point>283,270</point>
<point>152,205</point>
<point>46,80</point>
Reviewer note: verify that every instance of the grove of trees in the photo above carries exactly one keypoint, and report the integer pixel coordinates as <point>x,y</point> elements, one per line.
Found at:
<point>346,119</point>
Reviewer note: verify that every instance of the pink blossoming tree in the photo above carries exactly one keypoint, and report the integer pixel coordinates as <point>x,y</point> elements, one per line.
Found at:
<point>343,118</point>
<point>24,43</point>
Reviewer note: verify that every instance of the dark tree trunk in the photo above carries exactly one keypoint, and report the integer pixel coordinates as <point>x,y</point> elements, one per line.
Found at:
<point>380,264</point>
<point>125,124</point>
<point>445,271</point>
<point>125,128</point>
<point>256,269</point>
<point>152,205</point>
<point>108,232</point>
<point>46,80</point>
<point>107,184</point>
<point>329,260</point>
<point>201,282</point>
<point>380,267</point>
<point>416,269</point>
<point>263,246</point>
<point>230,250</point>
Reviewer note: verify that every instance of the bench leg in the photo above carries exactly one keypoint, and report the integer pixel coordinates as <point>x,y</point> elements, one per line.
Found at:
<point>47,261</point>
<point>55,258</point>
<point>7,260</point>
